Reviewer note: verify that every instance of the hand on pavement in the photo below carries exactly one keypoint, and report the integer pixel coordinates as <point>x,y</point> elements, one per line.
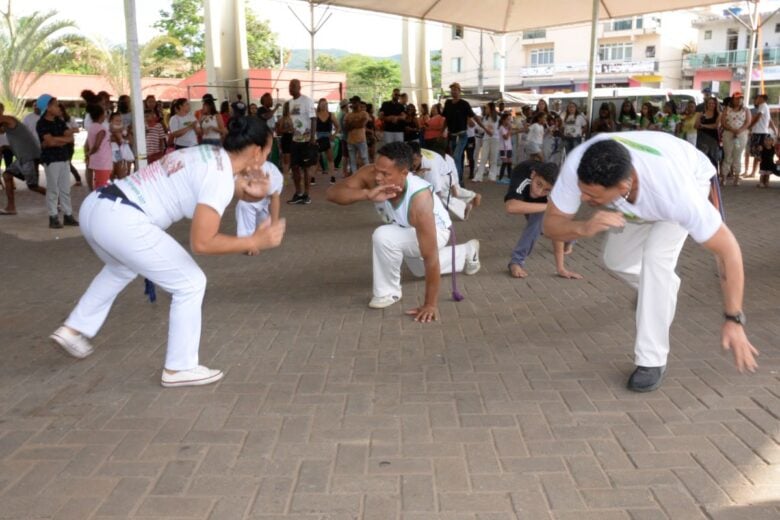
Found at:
<point>734,339</point>
<point>424,314</point>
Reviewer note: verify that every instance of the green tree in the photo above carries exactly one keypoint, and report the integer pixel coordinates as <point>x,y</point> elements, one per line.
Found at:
<point>184,23</point>
<point>325,62</point>
<point>29,47</point>
<point>261,42</point>
<point>372,79</point>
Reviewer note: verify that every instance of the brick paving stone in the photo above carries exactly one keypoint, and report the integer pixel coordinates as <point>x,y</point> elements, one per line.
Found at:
<point>512,407</point>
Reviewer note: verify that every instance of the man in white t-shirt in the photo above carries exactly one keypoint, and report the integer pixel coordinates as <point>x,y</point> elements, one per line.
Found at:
<point>651,189</point>
<point>759,128</point>
<point>304,151</point>
<point>31,119</point>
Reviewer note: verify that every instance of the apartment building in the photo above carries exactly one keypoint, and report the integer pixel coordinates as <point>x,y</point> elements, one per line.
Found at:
<point>721,58</point>
<point>638,51</point>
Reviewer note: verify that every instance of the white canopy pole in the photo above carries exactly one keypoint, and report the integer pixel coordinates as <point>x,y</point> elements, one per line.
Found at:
<point>593,54</point>
<point>137,102</point>
<point>502,63</point>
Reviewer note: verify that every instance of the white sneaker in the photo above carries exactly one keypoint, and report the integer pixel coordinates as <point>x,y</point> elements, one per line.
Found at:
<point>197,376</point>
<point>472,264</point>
<point>380,302</point>
<point>74,344</point>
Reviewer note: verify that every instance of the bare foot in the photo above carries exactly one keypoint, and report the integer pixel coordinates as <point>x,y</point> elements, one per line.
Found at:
<point>477,200</point>
<point>568,248</point>
<point>517,272</point>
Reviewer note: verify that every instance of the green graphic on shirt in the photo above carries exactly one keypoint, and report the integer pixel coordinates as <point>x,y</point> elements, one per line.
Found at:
<point>637,146</point>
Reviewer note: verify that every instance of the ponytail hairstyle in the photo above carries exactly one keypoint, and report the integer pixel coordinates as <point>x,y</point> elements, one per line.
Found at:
<point>244,131</point>
<point>89,97</point>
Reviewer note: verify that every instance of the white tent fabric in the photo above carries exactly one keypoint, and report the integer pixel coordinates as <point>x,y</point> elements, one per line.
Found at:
<point>501,16</point>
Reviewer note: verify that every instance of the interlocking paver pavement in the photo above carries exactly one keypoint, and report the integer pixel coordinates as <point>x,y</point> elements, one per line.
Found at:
<point>512,407</point>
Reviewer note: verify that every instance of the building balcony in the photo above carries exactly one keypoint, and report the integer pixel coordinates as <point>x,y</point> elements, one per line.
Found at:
<point>602,67</point>
<point>727,59</point>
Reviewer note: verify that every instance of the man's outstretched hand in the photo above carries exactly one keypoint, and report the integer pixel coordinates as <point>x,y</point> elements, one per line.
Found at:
<point>424,314</point>
<point>735,340</point>
<point>384,192</point>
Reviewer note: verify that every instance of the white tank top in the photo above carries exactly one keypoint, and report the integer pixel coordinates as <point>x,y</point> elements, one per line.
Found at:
<point>399,213</point>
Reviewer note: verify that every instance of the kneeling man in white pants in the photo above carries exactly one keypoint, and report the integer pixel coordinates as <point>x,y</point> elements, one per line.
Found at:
<point>442,174</point>
<point>125,225</point>
<point>654,188</point>
<point>418,232</point>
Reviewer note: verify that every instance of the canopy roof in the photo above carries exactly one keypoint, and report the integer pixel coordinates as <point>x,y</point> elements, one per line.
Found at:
<point>501,16</point>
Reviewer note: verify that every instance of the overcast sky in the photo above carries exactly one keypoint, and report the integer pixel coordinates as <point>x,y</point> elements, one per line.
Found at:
<point>354,31</point>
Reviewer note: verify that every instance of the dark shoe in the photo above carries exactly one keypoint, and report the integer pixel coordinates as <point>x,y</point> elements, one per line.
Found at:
<point>68,220</point>
<point>297,199</point>
<point>332,179</point>
<point>646,379</point>
<point>54,223</point>
<point>312,181</point>
<point>305,199</point>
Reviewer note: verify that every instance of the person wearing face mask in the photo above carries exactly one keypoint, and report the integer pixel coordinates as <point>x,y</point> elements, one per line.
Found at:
<point>125,225</point>
<point>650,190</point>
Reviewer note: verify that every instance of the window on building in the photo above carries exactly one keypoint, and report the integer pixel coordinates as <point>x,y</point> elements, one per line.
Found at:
<point>639,22</point>
<point>534,33</point>
<point>708,35</point>
<point>496,60</point>
<point>456,64</point>
<point>650,51</point>
<point>616,52</point>
<point>777,27</point>
<point>622,25</point>
<point>542,57</point>
<point>457,32</point>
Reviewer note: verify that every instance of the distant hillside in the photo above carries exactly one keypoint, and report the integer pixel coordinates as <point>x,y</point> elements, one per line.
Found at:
<point>300,57</point>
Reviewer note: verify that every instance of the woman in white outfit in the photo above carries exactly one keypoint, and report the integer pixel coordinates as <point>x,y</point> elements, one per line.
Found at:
<point>125,224</point>
<point>490,145</point>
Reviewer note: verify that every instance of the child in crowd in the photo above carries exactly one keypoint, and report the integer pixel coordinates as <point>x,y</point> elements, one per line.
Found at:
<point>120,146</point>
<point>99,159</point>
<point>535,139</point>
<point>251,215</point>
<point>505,150</point>
<point>531,183</point>
<point>156,142</point>
<point>768,165</point>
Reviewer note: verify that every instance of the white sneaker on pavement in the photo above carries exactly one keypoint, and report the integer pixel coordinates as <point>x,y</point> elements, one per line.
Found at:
<point>197,376</point>
<point>472,264</point>
<point>74,344</point>
<point>380,302</point>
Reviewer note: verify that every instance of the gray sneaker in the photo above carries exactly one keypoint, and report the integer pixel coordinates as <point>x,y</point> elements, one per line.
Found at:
<point>646,379</point>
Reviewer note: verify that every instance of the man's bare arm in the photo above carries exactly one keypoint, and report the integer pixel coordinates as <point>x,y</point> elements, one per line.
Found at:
<point>562,226</point>
<point>421,217</point>
<point>354,188</point>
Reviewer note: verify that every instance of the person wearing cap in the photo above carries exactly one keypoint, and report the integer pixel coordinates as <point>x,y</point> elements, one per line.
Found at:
<point>357,143</point>
<point>650,191</point>
<point>458,113</point>
<point>735,122</point>
<point>55,136</point>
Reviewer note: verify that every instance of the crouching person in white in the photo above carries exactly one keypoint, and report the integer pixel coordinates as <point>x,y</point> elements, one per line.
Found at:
<point>655,188</point>
<point>418,233</point>
<point>442,174</point>
<point>251,215</point>
<point>125,224</point>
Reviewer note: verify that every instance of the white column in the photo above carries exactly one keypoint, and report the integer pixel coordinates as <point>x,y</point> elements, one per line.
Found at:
<point>592,59</point>
<point>134,63</point>
<point>227,60</point>
<point>415,62</point>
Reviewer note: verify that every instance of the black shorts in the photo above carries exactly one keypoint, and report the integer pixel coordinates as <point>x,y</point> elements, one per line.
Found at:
<point>304,154</point>
<point>756,144</point>
<point>324,144</point>
<point>286,143</point>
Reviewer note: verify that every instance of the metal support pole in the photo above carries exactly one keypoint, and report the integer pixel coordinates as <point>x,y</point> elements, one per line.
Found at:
<point>312,34</point>
<point>481,71</point>
<point>592,65</point>
<point>137,102</point>
<point>502,74</point>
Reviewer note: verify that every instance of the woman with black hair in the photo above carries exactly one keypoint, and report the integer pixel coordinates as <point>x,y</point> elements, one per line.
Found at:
<point>125,225</point>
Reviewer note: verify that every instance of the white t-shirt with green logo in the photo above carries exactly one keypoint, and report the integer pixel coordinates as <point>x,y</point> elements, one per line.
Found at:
<point>301,113</point>
<point>674,182</point>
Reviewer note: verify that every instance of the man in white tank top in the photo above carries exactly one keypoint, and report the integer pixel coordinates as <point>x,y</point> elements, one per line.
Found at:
<point>418,232</point>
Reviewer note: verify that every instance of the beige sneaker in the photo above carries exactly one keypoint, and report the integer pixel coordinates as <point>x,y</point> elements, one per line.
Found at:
<point>380,302</point>
<point>74,344</point>
<point>197,376</point>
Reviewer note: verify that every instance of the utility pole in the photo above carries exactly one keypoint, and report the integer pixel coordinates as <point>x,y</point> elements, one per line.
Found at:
<point>312,28</point>
<point>481,71</point>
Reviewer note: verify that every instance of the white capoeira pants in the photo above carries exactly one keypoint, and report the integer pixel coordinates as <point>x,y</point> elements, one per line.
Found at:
<point>394,245</point>
<point>249,215</point>
<point>458,201</point>
<point>645,255</point>
<point>129,244</point>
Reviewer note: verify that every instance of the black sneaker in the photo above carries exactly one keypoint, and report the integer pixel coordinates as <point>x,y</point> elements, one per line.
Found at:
<point>646,379</point>
<point>297,199</point>
<point>305,199</point>
<point>54,223</point>
<point>332,179</point>
<point>68,220</point>
<point>312,181</point>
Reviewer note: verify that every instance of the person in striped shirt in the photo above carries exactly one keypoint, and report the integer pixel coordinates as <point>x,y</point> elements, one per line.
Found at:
<point>155,137</point>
